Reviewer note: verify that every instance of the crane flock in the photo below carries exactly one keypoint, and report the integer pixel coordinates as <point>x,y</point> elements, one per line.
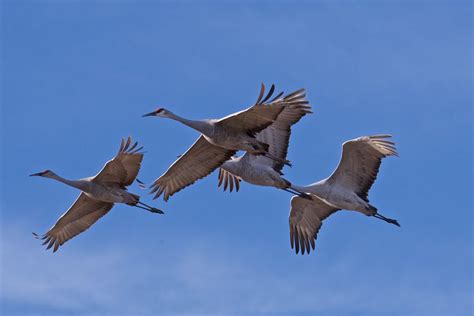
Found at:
<point>263,132</point>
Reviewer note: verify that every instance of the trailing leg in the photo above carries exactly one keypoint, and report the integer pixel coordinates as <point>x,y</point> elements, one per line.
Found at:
<point>386,219</point>
<point>148,208</point>
<point>300,194</point>
<point>380,216</point>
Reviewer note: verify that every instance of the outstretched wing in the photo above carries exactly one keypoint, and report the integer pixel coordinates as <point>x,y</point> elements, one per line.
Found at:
<point>306,216</point>
<point>196,163</point>
<point>228,179</point>
<point>79,217</point>
<point>123,168</point>
<point>277,135</point>
<point>360,163</point>
<point>257,117</point>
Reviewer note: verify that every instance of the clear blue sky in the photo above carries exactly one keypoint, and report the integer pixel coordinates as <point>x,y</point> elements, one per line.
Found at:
<point>77,76</point>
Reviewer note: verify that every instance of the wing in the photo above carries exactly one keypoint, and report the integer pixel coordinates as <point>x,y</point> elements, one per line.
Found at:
<point>196,163</point>
<point>360,163</point>
<point>257,117</point>
<point>229,179</point>
<point>277,135</point>
<point>306,218</point>
<point>123,168</point>
<point>78,218</point>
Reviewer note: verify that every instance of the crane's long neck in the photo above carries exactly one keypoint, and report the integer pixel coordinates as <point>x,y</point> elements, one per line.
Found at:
<point>201,126</point>
<point>82,185</point>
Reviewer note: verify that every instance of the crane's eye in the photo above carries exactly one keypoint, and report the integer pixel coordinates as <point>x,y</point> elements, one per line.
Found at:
<point>159,110</point>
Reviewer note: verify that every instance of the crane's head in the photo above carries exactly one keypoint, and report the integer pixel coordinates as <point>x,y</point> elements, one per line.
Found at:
<point>160,112</point>
<point>45,173</point>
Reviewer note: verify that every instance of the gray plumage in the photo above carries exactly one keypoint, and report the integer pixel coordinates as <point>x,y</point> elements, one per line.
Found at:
<point>99,193</point>
<point>347,188</point>
<point>259,169</point>
<point>220,139</point>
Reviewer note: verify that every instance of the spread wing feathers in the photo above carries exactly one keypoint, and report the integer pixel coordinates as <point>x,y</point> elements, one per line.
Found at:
<point>196,163</point>
<point>360,163</point>
<point>305,219</point>
<point>257,117</point>
<point>277,135</point>
<point>229,179</point>
<point>79,217</point>
<point>123,168</point>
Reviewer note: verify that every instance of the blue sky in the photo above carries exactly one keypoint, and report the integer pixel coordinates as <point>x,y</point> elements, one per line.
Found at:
<point>77,76</point>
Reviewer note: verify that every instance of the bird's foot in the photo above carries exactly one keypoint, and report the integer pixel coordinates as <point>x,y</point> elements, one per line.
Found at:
<point>386,219</point>
<point>393,221</point>
<point>300,194</point>
<point>148,208</point>
<point>157,211</point>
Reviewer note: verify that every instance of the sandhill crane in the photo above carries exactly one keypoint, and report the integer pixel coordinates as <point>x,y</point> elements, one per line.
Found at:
<point>261,170</point>
<point>347,188</point>
<point>220,139</point>
<point>99,193</point>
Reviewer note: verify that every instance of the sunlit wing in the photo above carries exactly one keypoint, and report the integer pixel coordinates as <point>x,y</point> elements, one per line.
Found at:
<point>360,163</point>
<point>124,167</point>
<point>277,135</point>
<point>306,216</point>
<point>79,217</point>
<point>257,117</point>
<point>199,161</point>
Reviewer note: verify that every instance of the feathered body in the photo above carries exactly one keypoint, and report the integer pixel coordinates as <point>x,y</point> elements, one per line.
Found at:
<point>347,188</point>
<point>98,195</point>
<point>220,139</point>
<point>259,169</point>
<point>252,172</point>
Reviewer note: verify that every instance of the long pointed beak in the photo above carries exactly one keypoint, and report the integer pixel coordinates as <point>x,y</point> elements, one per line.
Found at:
<point>149,114</point>
<point>35,174</point>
